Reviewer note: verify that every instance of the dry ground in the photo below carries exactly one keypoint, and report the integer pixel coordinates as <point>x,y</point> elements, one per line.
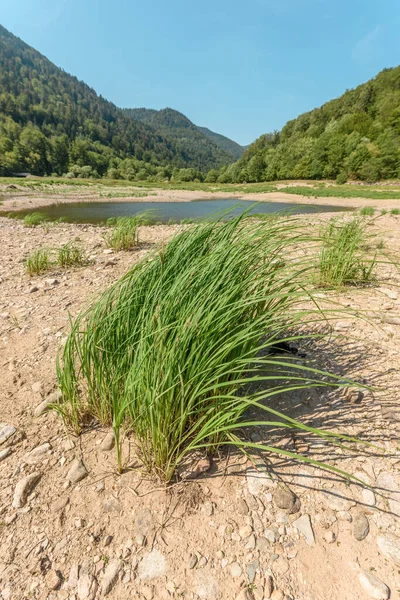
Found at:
<point>232,528</point>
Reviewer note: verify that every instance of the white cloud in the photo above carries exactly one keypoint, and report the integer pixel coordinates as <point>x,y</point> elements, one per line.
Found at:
<point>367,46</point>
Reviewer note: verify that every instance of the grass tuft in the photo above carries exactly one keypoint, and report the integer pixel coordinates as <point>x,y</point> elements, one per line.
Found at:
<point>70,255</point>
<point>38,262</point>
<point>343,258</point>
<point>180,348</point>
<point>367,211</point>
<point>124,230</point>
<point>34,219</point>
<point>395,211</point>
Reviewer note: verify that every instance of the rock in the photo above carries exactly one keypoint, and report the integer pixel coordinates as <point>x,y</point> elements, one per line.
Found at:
<point>192,561</point>
<point>37,454</point>
<point>284,498</point>
<point>23,488</point>
<point>51,282</point>
<point>268,586</point>
<point>107,540</point>
<point>205,585</point>
<point>388,292</point>
<point>335,500</point>
<point>111,505</point>
<point>242,507</point>
<point>303,524</point>
<point>277,595</point>
<point>245,531</point>
<point>59,504</point>
<point>53,580</point>
<point>368,497</point>
<point>258,480</point>
<point>41,408</point>
<point>147,592</point>
<point>245,595</point>
<point>6,432</point>
<point>271,535</point>
<point>73,577</point>
<point>143,522</point>
<point>208,509</point>
<point>360,527</point>
<point>110,575</point>
<point>108,442</point>
<point>87,586</point>
<point>236,570</point>
<point>4,453</point>
<point>251,571</point>
<point>153,565</point>
<point>330,537</point>
<point>374,586</point>
<point>389,545</point>
<point>194,471</point>
<point>77,472</point>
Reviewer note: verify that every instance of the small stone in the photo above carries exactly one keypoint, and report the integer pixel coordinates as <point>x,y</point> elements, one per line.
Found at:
<point>51,282</point>
<point>251,543</point>
<point>219,555</point>
<point>6,432</point>
<point>368,497</point>
<point>107,540</point>
<point>303,524</point>
<point>258,480</point>
<point>236,570</point>
<point>110,576</point>
<point>284,498</point>
<point>37,454</point>
<point>208,509</point>
<point>330,537</point>
<point>77,471</point>
<point>277,595</point>
<point>73,577</point>
<point>242,507</point>
<point>389,545</point>
<point>361,527</point>
<point>4,453</point>
<point>192,561</point>
<point>201,466</point>
<point>144,522</point>
<point>153,565</point>
<point>87,586</point>
<point>344,515</point>
<point>108,442</point>
<point>251,571</point>
<point>147,592</point>
<point>53,580</point>
<point>23,489</point>
<point>111,505</point>
<point>335,500</point>
<point>374,586</point>
<point>244,594</point>
<point>245,531</point>
<point>271,535</point>
<point>268,586</point>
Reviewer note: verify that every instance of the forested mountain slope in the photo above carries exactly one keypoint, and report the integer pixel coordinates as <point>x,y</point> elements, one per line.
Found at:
<point>355,136</point>
<point>223,142</point>
<point>52,123</point>
<point>191,141</point>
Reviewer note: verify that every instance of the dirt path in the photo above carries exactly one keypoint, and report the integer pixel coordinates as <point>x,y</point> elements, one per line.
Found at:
<point>232,532</point>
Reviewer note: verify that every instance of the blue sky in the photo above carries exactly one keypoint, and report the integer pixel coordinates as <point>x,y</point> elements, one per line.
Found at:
<point>239,67</point>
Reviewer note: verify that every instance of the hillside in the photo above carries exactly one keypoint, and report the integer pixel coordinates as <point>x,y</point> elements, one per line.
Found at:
<point>355,136</point>
<point>223,142</point>
<point>52,123</point>
<point>191,141</point>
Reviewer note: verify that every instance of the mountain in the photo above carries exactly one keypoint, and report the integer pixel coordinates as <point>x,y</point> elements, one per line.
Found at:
<point>50,122</point>
<point>355,136</point>
<point>223,142</point>
<point>191,140</point>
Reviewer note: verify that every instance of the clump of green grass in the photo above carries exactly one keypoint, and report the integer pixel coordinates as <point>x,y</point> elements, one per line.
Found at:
<point>124,230</point>
<point>343,258</point>
<point>34,219</point>
<point>38,262</point>
<point>367,211</point>
<point>183,345</point>
<point>70,255</point>
<point>395,211</point>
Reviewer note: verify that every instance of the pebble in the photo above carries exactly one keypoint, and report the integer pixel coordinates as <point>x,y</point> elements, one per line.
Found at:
<point>251,570</point>
<point>303,524</point>
<point>245,531</point>
<point>330,537</point>
<point>360,527</point>
<point>236,570</point>
<point>4,453</point>
<point>144,522</point>
<point>77,471</point>
<point>258,480</point>
<point>242,507</point>
<point>110,575</point>
<point>374,586</point>
<point>244,595</point>
<point>192,561</point>
<point>277,595</point>
<point>285,499</point>
<point>271,535</point>
<point>53,580</point>
<point>37,454</point>
<point>153,565</point>
<point>335,500</point>
<point>268,586</point>
<point>108,442</point>
<point>87,586</point>
<point>23,488</point>
<point>6,432</point>
<point>368,497</point>
<point>389,545</point>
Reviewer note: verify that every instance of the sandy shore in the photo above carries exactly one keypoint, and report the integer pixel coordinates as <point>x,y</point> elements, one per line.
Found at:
<point>28,199</point>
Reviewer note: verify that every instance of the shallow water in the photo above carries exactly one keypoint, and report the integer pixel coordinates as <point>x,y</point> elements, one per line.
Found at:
<point>98,212</point>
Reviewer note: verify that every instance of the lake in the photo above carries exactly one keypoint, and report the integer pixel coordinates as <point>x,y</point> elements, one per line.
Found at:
<point>98,212</point>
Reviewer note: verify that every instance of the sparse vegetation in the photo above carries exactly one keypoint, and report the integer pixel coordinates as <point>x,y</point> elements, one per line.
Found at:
<point>38,262</point>
<point>182,345</point>
<point>70,255</point>
<point>395,211</point>
<point>343,258</point>
<point>34,219</point>
<point>367,211</point>
<point>124,230</point>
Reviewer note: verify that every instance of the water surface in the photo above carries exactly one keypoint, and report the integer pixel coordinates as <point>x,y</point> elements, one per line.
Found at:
<point>98,212</point>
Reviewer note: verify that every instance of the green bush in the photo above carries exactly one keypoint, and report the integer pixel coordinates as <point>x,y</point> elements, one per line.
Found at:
<point>34,219</point>
<point>70,255</point>
<point>343,260</point>
<point>182,346</point>
<point>341,179</point>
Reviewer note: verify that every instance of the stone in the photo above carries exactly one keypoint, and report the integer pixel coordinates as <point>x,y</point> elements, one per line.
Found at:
<point>147,592</point>
<point>271,535</point>
<point>251,571</point>
<point>87,587</point>
<point>205,584</point>
<point>368,497</point>
<point>268,586</point>
<point>53,580</point>
<point>107,540</point>
<point>360,527</point>
<point>374,586</point>
<point>37,454</point>
<point>242,507</point>
<point>335,501</point>
<point>208,509</point>
<point>303,524</point>
<point>285,499</point>
<point>330,537</point>
<point>6,433</point>
<point>77,472</point>
<point>41,408</point>
<point>244,595</point>
<point>37,387</point>
<point>192,561</point>
<point>59,504</point>
<point>23,489</point>
<point>388,292</point>
<point>143,522</point>
<point>236,569</point>
<point>198,468</point>
<point>111,505</point>
<point>152,565</point>
<point>277,595</point>
<point>258,480</point>
<point>245,531</point>
<point>4,453</point>
<point>111,575</point>
<point>389,545</point>
<point>108,442</point>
